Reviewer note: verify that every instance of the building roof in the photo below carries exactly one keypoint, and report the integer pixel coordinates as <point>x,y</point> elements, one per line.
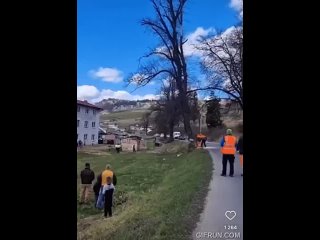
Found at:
<point>135,137</point>
<point>86,104</point>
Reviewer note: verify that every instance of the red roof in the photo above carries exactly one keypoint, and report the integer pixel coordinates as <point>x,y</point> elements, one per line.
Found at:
<point>86,104</point>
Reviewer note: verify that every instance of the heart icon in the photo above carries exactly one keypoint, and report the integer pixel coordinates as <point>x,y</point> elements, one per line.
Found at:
<point>230,214</point>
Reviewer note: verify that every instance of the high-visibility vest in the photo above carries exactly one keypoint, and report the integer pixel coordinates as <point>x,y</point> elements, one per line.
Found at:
<point>105,174</point>
<point>229,146</point>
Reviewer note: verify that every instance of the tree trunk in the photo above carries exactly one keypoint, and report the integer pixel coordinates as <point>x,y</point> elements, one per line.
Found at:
<point>186,115</point>
<point>171,126</point>
<point>187,126</point>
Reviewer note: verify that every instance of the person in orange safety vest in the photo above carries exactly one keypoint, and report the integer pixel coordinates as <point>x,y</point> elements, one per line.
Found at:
<point>228,150</point>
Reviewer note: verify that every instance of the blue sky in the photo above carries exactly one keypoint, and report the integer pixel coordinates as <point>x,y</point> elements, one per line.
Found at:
<point>111,41</point>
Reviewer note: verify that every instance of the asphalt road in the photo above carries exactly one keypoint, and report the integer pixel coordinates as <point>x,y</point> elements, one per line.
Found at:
<point>225,194</point>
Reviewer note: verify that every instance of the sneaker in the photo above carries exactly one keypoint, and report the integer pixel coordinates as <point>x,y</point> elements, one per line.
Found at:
<point>223,175</point>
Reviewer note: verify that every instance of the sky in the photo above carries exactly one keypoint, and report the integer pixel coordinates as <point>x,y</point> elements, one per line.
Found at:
<point>110,41</point>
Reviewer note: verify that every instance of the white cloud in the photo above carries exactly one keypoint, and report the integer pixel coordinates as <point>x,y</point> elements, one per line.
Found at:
<point>238,6</point>
<point>87,92</point>
<point>216,41</point>
<point>194,38</point>
<point>92,94</point>
<point>107,74</point>
<point>166,82</point>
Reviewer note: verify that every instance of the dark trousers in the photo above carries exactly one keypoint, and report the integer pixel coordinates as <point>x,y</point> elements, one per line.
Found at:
<point>107,210</point>
<point>225,159</point>
<point>96,196</point>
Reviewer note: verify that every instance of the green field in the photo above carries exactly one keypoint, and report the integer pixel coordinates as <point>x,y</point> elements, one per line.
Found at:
<point>160,195</point>
<point>124,118</point>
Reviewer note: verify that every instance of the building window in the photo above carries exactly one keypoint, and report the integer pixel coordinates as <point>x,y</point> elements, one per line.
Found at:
<point>86,124</point>
<point>85,136</point>
<point>78,123</point>
<point>78,108</point>
<point>92,137</point>
<point>94,112</point>
<point>93,124</point>
<point>87,110</point>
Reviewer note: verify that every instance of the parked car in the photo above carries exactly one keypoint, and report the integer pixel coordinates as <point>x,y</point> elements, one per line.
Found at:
<point>176,135</point>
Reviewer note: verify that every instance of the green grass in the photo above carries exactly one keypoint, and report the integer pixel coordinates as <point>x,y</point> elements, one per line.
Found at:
<point>124,118</point>
<point>123,115</point>
<point>164,195</point>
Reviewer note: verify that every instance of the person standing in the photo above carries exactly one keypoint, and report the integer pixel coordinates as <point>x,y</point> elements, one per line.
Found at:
<point>108,173</point>
<point>228,150</point>
<point>118,147</point>
<point>240,150</point>
<point>87,176</point>
<point>96,189</point>
<point>203,142</point>
<point>108,190</point>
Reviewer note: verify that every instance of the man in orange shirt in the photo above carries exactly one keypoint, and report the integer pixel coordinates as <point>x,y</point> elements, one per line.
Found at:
<point>228,150</point>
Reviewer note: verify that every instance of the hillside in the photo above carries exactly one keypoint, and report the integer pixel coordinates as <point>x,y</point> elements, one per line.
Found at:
<point>123,119</point>
<point>116,105</point>
<point>132,116</point>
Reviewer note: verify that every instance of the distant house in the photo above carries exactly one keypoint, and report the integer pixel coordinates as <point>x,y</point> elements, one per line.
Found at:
<point>102,133</point>
<point>88,122</point>
<point>130,143</point>
<point>111,138</point>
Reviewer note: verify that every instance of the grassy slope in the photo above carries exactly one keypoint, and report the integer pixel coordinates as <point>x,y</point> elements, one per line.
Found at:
<point>124,118</point>
<point>164,196</point>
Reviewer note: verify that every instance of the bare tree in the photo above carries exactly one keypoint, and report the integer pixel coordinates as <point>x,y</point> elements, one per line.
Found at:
<point>167,60</point>
<point>222,63</point>
<point>145,121</point>
<point>167,108</point>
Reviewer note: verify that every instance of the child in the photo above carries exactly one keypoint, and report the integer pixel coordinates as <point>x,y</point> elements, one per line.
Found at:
<point>96,189</point>
<point>108,190</point>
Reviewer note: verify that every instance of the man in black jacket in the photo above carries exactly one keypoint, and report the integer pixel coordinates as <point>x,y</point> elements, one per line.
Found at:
<point>96,188</point>
<point>87,176</point>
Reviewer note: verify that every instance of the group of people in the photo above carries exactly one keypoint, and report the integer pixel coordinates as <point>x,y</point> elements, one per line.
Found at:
<point>229,147</point>
<point>103,188</point>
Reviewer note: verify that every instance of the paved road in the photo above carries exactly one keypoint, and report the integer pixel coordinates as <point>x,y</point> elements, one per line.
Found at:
<point>225,194</point>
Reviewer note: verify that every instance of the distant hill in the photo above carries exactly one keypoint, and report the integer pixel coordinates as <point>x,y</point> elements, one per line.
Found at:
<point>115,105</point>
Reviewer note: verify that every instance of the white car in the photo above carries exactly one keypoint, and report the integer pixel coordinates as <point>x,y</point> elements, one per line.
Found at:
<point>176,135</point>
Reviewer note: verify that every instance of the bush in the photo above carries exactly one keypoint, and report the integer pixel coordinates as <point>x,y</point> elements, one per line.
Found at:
<point>120,197</point>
